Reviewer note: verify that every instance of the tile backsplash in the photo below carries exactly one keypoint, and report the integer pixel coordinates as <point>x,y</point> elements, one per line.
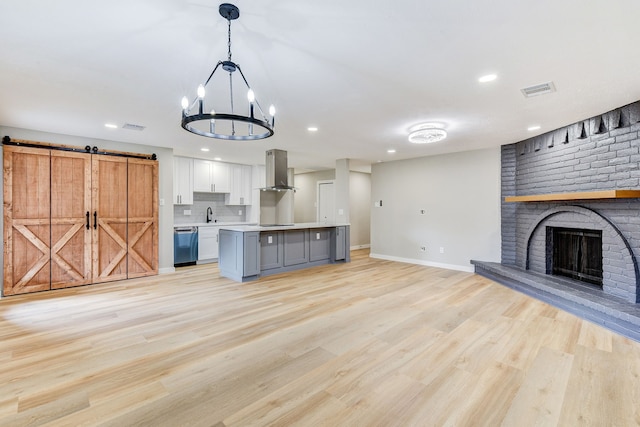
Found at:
<point>201,201</point>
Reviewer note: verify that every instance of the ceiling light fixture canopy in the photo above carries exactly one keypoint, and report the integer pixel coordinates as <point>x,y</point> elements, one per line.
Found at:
<point>212,123</point>
<point>426,134</point>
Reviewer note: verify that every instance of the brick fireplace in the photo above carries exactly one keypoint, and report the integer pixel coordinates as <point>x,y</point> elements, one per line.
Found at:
<point>595,155</point>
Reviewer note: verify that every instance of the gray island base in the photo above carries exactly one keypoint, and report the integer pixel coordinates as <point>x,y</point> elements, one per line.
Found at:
<point>249,252</point>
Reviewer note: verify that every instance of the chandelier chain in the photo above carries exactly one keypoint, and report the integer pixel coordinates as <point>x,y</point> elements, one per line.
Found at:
<point>229,40</point>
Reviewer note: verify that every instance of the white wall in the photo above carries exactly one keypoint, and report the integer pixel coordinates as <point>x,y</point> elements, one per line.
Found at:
<point>165,179</point>
<point>460,194</point>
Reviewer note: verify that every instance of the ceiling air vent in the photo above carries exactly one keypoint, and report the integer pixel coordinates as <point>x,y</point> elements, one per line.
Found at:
<point>540,89</point>
<point>131,126</point>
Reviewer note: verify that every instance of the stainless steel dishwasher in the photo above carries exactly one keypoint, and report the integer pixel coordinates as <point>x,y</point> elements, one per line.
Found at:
<point>185,246</point>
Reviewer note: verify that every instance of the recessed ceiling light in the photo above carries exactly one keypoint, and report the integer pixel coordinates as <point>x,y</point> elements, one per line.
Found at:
<point>217,158</point>
<point>391,151</point>
<point>204,149</point>
<point>111,126</point>
<point>312,129</point>
<point>487,78</point>
<point>532,128</point>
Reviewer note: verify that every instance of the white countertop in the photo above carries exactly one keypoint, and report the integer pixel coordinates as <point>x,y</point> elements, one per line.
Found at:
<point>211,224</point>
<point>297,226</point>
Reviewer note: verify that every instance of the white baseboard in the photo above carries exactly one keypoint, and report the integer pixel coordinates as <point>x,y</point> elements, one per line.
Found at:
<point>353,248</point>
<point>468,269</point>
<point>166,270</point>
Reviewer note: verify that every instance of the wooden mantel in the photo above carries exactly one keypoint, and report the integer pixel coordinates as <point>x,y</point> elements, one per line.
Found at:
<point>583,195</point>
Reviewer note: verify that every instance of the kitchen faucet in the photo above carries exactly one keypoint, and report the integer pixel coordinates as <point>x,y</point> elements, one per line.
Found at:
<point>209,214</point>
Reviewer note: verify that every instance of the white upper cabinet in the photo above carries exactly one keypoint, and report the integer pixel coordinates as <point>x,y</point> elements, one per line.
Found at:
<point>240,193</point>
<point>221,177</point>
<point>210,177</point>
<point>182,181</point>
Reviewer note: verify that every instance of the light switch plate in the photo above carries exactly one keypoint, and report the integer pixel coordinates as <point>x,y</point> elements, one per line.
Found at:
<point>187,212</point>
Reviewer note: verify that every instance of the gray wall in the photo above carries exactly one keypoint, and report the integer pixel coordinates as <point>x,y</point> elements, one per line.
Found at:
<point>460,194</point>
<point>165,178</point>
<point>359,202</point>
<point>305,199</point>
<point>360,209</point>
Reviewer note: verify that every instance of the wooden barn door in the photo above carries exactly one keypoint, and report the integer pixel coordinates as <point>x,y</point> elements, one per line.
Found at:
<point>142,218</point>
<point>70,227</point>
<point>27,233</point>
<point>109,218</point>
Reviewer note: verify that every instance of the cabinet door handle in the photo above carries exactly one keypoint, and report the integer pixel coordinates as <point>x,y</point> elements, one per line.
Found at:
<point>95,220</point>
<point>88,225</point>
<point>212,188</point>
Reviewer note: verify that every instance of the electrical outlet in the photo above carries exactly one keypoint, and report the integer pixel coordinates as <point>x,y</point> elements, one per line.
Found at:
<point>240,212</point>
<point>161,202</point>
<point>423,248</point>
<point>187,212</point>
<point>441,250</point>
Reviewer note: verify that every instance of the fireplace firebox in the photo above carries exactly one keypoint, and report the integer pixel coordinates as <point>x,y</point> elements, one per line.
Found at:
<point>575,253</point>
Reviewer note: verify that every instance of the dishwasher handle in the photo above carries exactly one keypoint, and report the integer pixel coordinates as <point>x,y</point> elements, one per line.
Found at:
<point>185,230</point>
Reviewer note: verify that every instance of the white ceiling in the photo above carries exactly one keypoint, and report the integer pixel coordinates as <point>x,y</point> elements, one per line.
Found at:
<point>363,72</point>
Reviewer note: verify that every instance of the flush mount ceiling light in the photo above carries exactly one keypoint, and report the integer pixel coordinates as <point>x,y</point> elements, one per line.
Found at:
<point>426,134</point>
<point>209,120</point>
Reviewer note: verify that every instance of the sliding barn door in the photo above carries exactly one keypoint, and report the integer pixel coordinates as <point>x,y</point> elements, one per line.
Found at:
<point>27,233</point>
<point>142,217</point>
<point>70,219</point>
<point>109,218</point>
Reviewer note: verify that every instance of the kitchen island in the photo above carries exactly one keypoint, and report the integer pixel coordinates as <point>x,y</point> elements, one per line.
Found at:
<point>249,252</point>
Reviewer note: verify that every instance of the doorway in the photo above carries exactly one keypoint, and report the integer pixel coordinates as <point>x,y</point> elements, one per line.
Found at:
<point>326,202</point>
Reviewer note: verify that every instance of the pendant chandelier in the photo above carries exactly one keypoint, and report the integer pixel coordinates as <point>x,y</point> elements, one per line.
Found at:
<point>209,121</point>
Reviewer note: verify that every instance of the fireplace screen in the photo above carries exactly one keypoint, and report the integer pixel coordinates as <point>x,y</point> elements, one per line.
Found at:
<point>575,253</point>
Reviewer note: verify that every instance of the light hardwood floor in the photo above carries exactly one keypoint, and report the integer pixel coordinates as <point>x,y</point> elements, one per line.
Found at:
<point>370,343</point>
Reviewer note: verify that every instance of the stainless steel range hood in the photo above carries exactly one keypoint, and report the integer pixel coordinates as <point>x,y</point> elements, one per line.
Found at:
<point>276,169</point>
